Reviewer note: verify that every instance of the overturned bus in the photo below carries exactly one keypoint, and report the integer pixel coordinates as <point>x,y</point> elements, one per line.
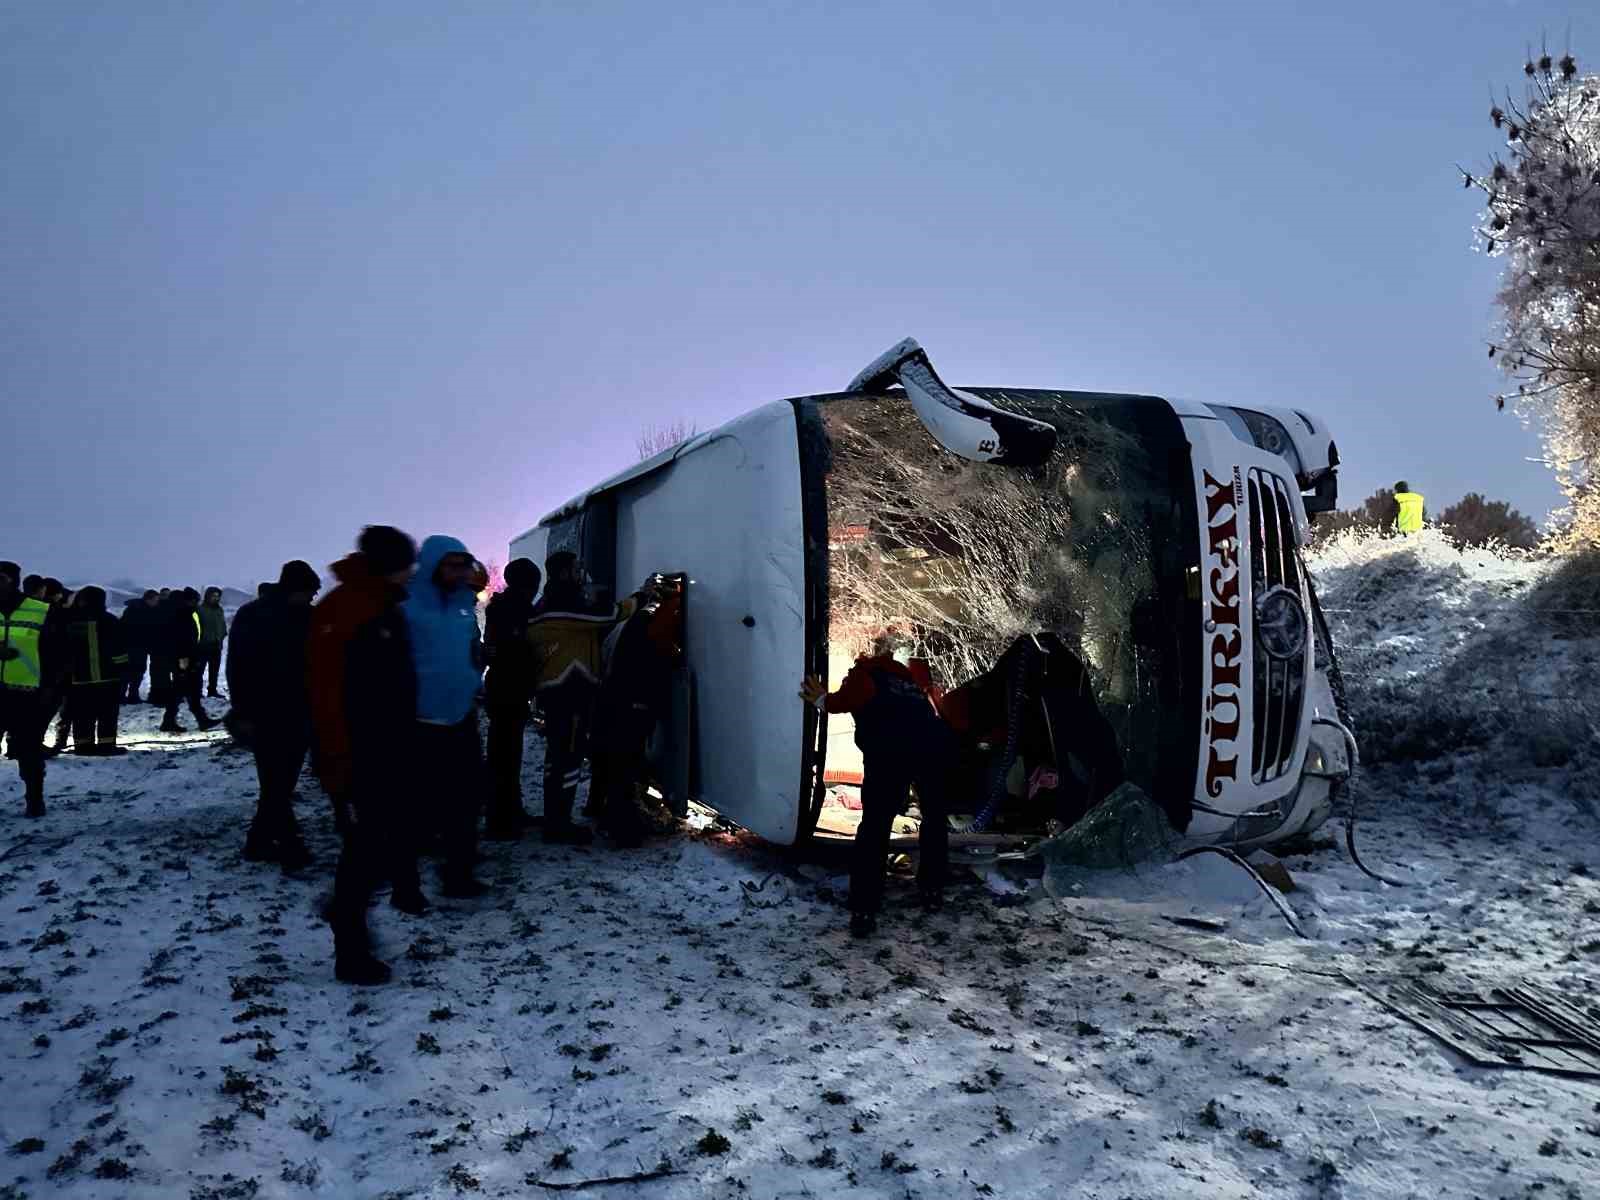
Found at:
<point>1157,541</point>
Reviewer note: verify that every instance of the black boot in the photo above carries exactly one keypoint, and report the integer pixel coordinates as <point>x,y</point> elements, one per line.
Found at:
<point>258,848</point>
<point>293,855</point>
<point>361,970</point>
<point>35,798</point>
<point>863,925</point>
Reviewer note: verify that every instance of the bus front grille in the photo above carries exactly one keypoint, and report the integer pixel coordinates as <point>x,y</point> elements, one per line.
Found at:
<point>1279,684</point>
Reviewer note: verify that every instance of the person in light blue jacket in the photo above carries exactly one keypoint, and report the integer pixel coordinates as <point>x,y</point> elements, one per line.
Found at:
<point>443,620</point>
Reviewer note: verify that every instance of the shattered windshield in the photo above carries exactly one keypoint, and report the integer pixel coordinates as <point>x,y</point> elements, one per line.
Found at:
<point>1098,547</point>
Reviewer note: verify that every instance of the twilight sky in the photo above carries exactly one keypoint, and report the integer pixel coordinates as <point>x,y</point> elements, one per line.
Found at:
<point>273,271</point>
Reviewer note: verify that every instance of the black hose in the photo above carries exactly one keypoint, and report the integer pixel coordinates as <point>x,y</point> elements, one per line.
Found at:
<point>1350,845</point>
<point>1270,892</point>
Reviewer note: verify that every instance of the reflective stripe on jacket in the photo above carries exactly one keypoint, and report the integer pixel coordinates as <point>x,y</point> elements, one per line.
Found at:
<point>22,631</point>
<point>95,644</point>
<point>1410,518</point>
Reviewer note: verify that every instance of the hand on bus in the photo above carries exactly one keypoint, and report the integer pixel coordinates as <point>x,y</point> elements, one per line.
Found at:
<point>812,689</point>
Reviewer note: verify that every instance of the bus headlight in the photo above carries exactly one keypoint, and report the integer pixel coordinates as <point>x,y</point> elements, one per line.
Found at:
<point>1270,435</point>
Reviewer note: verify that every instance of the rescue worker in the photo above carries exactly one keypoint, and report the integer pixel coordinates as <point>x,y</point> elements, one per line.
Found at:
<point>138,635</point>
<point>902,741</point>
<point>271,711</point>
<point>97,669</point>
<point>33,587</point>
<point>442,619</point>
<point>639,657</point>
<point>566,633</point>
<point>363,691</point>
<point>213,632</point>
<point>507,688</point>
<point>183,645</point>
<point>30,671</point>
<point>1408,509</point>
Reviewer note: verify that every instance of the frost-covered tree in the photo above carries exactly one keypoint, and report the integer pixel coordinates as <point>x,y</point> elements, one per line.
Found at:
<point>1542,215</point>
<point>653,439</point>
<point>1474,521</point>
<point>1375,512</point>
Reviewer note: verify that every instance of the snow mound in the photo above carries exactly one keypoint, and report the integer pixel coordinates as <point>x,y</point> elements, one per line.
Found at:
<point>1471,659</point>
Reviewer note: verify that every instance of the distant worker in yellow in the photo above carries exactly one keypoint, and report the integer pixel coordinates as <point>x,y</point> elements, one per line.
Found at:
<point>1407,509</point>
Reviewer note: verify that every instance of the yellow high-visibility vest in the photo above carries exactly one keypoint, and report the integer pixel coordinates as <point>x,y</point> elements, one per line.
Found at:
<point>21,631</point>
<point>1410,518</point>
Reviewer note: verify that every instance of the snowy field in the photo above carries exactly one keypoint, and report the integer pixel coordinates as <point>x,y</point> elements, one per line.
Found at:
<point>169,1024</point>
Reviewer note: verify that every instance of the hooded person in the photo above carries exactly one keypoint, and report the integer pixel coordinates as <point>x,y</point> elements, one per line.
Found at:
<point>363,694</point>
<point>507,689</point>
<point>31,670</point>
<point>271,708</point>
<point>213,633</point>
<point>182,633</point>
<point>902,741</point>
<point>97,665</point>
<point>442,619</point>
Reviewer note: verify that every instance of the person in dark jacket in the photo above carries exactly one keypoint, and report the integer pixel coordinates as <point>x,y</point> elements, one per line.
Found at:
<point>271,709</point>
<point>639,658</point>
<point>507,689</point>
<point>138,636</point>
<point>162,668</point>
<point>902,741</point>
<point>442,615</point>
<point>363,691</point>
<point>213,633</point>
<point>182,632</point>
<point>97,670</point>
<point>32,661</point>
<point>61,602</point>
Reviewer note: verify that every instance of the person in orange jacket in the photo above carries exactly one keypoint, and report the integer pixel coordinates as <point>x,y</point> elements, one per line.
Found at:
<point>903,742</point>
<point>362,686</point>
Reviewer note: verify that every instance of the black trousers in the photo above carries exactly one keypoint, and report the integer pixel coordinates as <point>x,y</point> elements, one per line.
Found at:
<point>449,784</point>
<point>620,768</point>
<point>185,688</point>
<point>566,712</point>
<point>23,720</point>
<point>380,841</point>
<point>507,725</point>
<point>885,784</point>
<point>211,659</point>
<point>161,671</point>
<point>280,753</point>
<point>137,661</point>
<point>92,709</point>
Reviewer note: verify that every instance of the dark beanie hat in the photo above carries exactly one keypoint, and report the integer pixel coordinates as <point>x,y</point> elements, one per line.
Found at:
<point>522,574</point>
<point>297,576</point>
<point>11,569</point>
<point>387,549</point>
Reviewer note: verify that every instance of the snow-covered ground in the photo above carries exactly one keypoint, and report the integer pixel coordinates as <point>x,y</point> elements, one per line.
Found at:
<point>169,1025</point>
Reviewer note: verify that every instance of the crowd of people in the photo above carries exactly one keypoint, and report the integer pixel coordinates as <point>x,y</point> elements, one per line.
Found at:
<point>392,655</point>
